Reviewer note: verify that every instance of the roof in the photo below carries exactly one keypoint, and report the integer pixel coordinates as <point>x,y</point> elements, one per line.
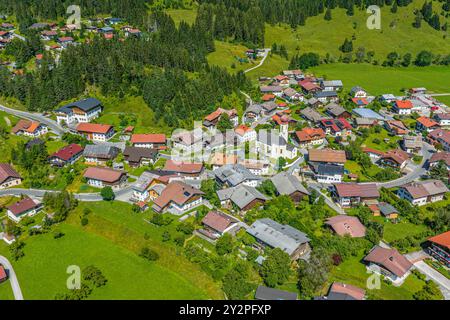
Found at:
<point>85,105</point>
<point>309,134</point>
<point>234,174</point>
<point>397,126</point>
<point>218,221</point>
<point>390,259</point>
<point>276,235</point>
<point>440,135</point>
<point>265,293</point>
<point>374,151</point>
<point>242,195</point>
<point>386,209</point>
<point>427,122</point>
<point>22,206</point>
<point>368,190</point>
<point>368,113</point>
<point>442,239</point>
<point>94,128</point>
<point>421,189</point>
<point>135,154</point>
<point>3,274</point>
<point>102,151</point>
<point>271,89</point>
<point>332,83</point>
<point>412,142</point>
<point>103,174</point>
<point>216,114</point>
<point>67,152</point>
<point>288,184</point>
<point>360,101</point>
<point>26,125</point>
<point>441,156</point>
<point>335,109</point>
<point>356,89</point>
<point>403,104</point>
<point>183,167</point>
<point>311,114</point>
<point>271,138</point>
<point>221,159</point>
<point>308,85</point>
<point>144,181</point>
<point>330,169</point>
<point>178,192</point>
<point>326,94</point>
<point>7,171</point>
<point>148,138</point>
<point>327,155</point>
<point>242,129</point>
<point>344,224</point>
<point>351,292</point>
<point>397,155</point>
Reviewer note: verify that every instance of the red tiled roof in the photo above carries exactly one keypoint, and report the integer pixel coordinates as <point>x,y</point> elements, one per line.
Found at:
<point>374,151</point>
<point>327,155</point>
<point>25,125</point>
<point>183,167</point>
<point>103,174</point>
<point>440,134</point>
<point>343,224</point>
<point>427,122</point>
<point>148,138</point>
<point>268,97</point>
<point>397,155</point>
<point>390,259</point>
<point>178,192</point>
<point>216,114</point>
<point>308,85</point>
<point>64,39</point>
<point>94,128</point>
<point>404,104</point>
<point>369,190</point>
<point>309,134</point>
<point>354,292</point>
<point>442,239</point>
<point>22,206</point>
<point>360,101</point>
<point>242,129</point>
<point>2,273</point>
<point>218,221</point>
<point>68,152</point>
<point>7,171</point>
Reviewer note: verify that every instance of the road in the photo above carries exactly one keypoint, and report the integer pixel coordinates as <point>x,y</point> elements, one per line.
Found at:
<point>51,124</point>
<point>328,201</point>
<point>12,278</point>
<point>427,152</point>
<point>266,53</point>
<point>441,280</point>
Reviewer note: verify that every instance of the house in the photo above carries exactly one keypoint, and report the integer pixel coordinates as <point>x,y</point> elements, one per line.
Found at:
<point>332,85</point>
<point>8,176</point>
<point>100,177</point>
<point>99,154</point>
<point>266,293</point>
<point>351,194</point>
<point>212,119</point>
<point>426,124</point>
<point>257,167</point>
<point>346,225</point>
<point>95,131</point>
<point>368,114</point>
<point>293,74</point>
<point>438,157</point>
<point>388,98</point>
<point>219,159</point>
<point>188,142</point>
<point>65,41</point>
<point>150,141</point>
<point>269,107</point>
<point>282,118</point>
<point>326,96</point>
<point>274,145</point>
<point>396,159</point>
<point>337,111</point>
<point>289,185</point>
<point>420,90</point>
<point>342,291</point>
<point>439,248</point>
<point>374,154</point>
<point>5,35</point>
<point>147,187</point>
<point>310,137</point>
<point>48,35</point>
<point>177,198</point>
<point>276,90</point>
<point>252,113</point>
<point>336,127</point>
<point>313,102</point>
<point>329,173</point>
<point>80,111</point>
<point>396,127</point>
<point>137,157</point>
<point>402,107</point>
<point>3,274</point>
<point>360,102</point>
<point>29,128</point>
<point>232,175</point>
<point>133,33</point>
<point>268,97</point>
<point>242,196</point>
<point>26,207</point>
<point>440,137</point>
<point>188,170</point>
<point>309,87</point>
<point>423,192</point>
<point>388,211</point>
<point>412,144</point>
<point>245,134</point>
<point>389,263</point>
<point>66,155</point>
<point>443,119</point>
<point>360,123</point>
<point>274,235</point>
<point>292,95</point>
<point>217,223</point>
<point>317,156</point>
<point>311,115</point>
<point>358,92</point>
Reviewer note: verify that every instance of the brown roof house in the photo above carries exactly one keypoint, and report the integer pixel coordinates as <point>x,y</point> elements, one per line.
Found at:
<point>317,156</point>
<point>151,141</point>
<point>389,263</point>
<point>422,192</point>
<point>95,131</point>
<point>29,128</point>
<point>343,291</point>
<point>100,177</point>
<point>217,224</point>
<point>188,170</point>
<point>350,194</point>
<point>438,157</point>
<point>396,127</point>
<point>8,176</point>
<point>177,198</point>
<point>412,144</point>
<point>137,157</point>
<point>310,137</point>
<point>396,159</point>
<point>347,225</point>
<point>23,208</point>
<point>243,197</point>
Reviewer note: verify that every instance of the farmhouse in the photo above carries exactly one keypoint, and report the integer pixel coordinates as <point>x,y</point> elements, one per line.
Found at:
<point>243,196</point>
<point>317,156</point>
<point>212,119</point>
<point>388,262</point>
<point>402,107</point>
<point>329,173</point>
<point>351,194</point>
<point>438,157</point>
<point>311,115</point>
<point>8,176</point>
<point>23,208</point>
<point>233,175</point>
<point>337,111</point>
<point>100,177</point>
<point>310,137</point>
<point>292,95</point>
<point>368,114</point>
<point>332,85</point>
<point>439,248</point>
<point>67,155</point>
<point>80,111</point>
<point>443,119</point>
<point>360,122</point>
<point>188,170</point>
<point>257,167</point>
<point>177,198</point>
<point>137,157</point>
<point>95,131</point>
<point>288,184</point>
<point>412,144</point>
<point>188,142</point>
<point>396,127</point>
<point>99,154</point>
<point>342,291</point>
<point>347,225</point>
<point>309,87</point>
<point>423,192</point>
<point>274,235</point>
<point>150,141</point>
<point>326,96</point>
<point>396,159</point>
<point>29,128</point>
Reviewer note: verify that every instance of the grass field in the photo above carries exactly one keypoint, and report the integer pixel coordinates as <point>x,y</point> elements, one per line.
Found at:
<point>226,55</point>
<point>381,145</point>
<point>178,15</point>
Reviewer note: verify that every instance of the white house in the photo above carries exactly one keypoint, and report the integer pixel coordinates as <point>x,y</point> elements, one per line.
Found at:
<point>423,192</point>
<point>23,208</point>
<point>402,107</point>
<point>245,134</point>
<point>79,112</point>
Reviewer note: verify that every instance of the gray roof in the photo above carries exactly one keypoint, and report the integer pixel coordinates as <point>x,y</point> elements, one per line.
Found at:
<point>241,195</point>
<point>277,235</point>
<point>269,106</point>
<point>335,109</point>
<point>386,209</point>
<point>363,121</point>
<point>100,151</point>
<point>368,113</point>
<point>265,293</point>
<point>287,184</point>
<point>85,105</point>
<point>144,181</point>
<point>255,108</point>
<point>235,174</point>
<point>271,138</point>
<point>330,169</point>
<point>325,94</point>
<point>356,88</point>
<point>332,83</point>
<point>311,114</point>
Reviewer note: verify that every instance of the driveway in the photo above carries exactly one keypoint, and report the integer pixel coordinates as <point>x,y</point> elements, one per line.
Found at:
<point>430,273</point>
<point>328,201</point>
<point>12,278</point>
<point>266,53</point>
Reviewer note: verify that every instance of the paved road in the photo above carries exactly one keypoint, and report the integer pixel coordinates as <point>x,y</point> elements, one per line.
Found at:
<point>53,125</point>
<point>427,152</point>
<point>12,278</point>
<point>441,280</point>
<point>266,53</point>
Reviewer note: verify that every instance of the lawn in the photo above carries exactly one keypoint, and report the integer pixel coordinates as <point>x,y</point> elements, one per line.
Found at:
<point>178,15</point>
<point>403,229</point>
<point>227,54</point>
<point>6,292</point>
<point>376,141</point>
<point>129,276</point>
